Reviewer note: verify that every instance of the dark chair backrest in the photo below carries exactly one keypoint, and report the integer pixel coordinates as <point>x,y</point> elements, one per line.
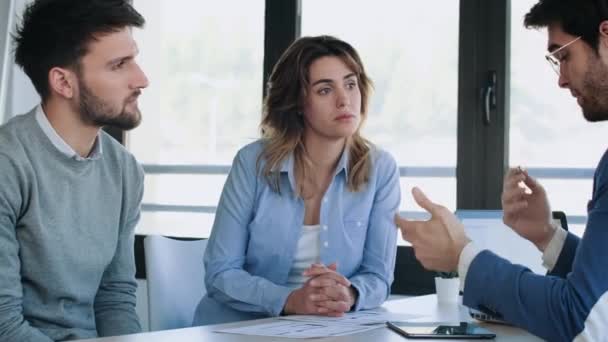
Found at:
<point>410,277</point>
<point>560,216</point>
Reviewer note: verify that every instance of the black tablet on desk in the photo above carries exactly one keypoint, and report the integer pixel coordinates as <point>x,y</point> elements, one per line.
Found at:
<point>463,330</point>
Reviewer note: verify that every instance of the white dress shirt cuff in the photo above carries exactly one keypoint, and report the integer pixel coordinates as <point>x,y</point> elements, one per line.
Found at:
<point>469,252</point>
<point>554,248</point>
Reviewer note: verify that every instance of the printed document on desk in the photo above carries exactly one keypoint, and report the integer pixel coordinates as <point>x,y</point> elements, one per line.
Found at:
<point>364,317</point>
<point>312,326</point>
<point>297,329</point>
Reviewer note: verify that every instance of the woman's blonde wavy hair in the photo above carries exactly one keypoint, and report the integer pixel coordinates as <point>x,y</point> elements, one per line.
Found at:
<point>283,125</point>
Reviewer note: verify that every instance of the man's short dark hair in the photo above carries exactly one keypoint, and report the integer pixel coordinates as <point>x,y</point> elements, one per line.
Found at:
<point>575,17</point>
<point>56,33</point>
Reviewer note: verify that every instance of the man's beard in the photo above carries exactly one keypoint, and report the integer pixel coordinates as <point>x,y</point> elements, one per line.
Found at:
<point>594,92</point>
<point>94,110</point>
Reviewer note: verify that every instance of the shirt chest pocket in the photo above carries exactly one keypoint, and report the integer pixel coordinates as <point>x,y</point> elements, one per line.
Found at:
<point>355,231</point>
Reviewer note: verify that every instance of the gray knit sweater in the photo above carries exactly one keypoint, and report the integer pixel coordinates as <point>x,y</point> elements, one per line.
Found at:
<point>67,269</point>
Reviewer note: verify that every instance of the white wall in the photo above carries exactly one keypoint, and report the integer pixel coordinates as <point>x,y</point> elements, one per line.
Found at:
<point>17,94</point>
<point>6,21</point>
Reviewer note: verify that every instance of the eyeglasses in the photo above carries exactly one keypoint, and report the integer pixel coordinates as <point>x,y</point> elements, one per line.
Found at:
<point>554,58</point>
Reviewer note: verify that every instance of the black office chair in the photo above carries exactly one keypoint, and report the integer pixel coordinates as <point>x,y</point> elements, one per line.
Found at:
<point>411,278</point>
<point>560,216</point>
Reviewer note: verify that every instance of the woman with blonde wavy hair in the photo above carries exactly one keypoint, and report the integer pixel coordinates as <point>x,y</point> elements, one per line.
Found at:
<point>305,221</point>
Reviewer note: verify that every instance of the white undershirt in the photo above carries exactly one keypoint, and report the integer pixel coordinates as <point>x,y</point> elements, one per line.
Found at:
<point>307,253</point>
<point>60,144</point>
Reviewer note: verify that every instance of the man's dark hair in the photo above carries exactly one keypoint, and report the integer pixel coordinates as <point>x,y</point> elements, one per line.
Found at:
<point>56,33</point>
<point>575,17</point>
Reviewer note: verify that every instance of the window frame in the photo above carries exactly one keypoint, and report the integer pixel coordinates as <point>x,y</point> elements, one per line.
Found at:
<point>483,149</point>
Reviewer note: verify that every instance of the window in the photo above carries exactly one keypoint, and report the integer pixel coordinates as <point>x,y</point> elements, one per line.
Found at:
<point>204,60</point>
<point>548,133</point>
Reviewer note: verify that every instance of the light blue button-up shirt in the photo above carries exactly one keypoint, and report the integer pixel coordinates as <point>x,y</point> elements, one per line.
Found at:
<point>256,230</point>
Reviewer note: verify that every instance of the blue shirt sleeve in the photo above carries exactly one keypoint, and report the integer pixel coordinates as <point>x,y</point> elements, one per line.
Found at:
<point>225,278</point>
<point>374,277</point>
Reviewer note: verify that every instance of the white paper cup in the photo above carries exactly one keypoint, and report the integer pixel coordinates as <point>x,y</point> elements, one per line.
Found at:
<point>447,289</point>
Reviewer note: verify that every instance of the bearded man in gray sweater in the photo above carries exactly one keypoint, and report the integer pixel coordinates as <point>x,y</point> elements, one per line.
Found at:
<point>69,194</point>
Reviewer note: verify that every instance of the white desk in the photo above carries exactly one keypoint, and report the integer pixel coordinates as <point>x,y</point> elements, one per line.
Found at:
<point>423,305</point>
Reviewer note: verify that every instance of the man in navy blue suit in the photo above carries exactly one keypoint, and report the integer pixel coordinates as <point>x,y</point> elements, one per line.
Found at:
<point>572,302</point>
